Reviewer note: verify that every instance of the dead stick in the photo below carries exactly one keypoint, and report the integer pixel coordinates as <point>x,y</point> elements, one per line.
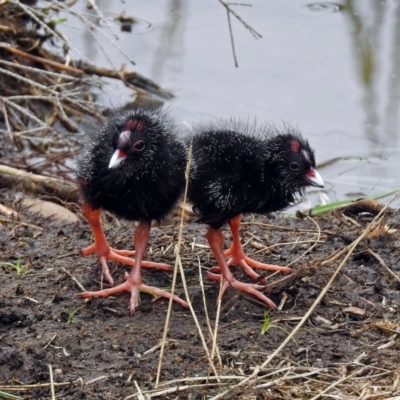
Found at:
<point>130,78</point>
<point>38,184</point>
<point>375,222</point>
<point>53,391</point>
<point>6,28</point>
<point>380,260</point>
<point>41,60</point>
<point>80,286</point>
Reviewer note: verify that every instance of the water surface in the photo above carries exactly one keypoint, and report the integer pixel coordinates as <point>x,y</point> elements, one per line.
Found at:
<point>332,69</point>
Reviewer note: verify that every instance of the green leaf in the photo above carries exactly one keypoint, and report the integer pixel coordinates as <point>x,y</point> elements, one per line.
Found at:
<point>331,206</point>
<point>9,396</point>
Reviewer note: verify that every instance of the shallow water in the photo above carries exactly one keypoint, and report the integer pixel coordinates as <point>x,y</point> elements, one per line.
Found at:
<point>331,69</point>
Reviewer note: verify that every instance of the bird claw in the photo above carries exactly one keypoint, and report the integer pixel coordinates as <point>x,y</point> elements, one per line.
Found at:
<point>109,254</point>
<point>120,256</point>
<point>267,267</point>
<point>251,288</point>
<point>106,270</point>
<point>246,268</point>
<point>243,262</point>
<point>123,287</point>
<point>134,289</point>
<point>92,249</point>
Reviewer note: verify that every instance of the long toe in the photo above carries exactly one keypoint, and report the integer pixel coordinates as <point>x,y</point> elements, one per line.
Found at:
<point>127,286</point>
<point>267,267</point>
<point>254,290</point>
<point>162,293</point>
<point>243,287</point>
<point>164,267</point>
<point>92,249</point>
<point>214,274</point>
<point>246,268</point>
<point>241,263</point>
<point>240,259</point>
<point>134,289</point>
<point>228,252</point>
<point>88,250</point>
<point>124,253</point>
<point>134,302</point>
<point>123,287</point>
<point>131,262</point>
<point>106,270</point>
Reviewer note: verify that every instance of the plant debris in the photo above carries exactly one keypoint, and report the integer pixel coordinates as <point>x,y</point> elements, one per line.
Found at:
<point>98,350</point>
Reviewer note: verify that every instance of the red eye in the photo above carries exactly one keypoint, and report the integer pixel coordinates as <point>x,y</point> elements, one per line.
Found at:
<point>139,145</point>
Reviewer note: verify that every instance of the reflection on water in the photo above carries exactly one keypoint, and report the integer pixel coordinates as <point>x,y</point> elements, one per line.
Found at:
<point>375,30</point>
<point>392,109</point>
<point>366,22</point>
<point>331,68</point>
<point>171,41</point>
<point>325,6</point>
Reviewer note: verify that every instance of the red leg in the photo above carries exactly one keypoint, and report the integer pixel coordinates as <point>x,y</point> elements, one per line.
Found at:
<point>237,256</point>
<point>215,239</point>
<point>105,252</point>
<point>133,282</point>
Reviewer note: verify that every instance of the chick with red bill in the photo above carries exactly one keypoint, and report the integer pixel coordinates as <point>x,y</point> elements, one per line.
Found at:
<point>239,168</point>
<point>134,169</point>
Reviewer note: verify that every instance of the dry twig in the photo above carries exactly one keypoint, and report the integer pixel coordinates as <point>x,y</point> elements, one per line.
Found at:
<point>38,184</point>
<point>349,249</point>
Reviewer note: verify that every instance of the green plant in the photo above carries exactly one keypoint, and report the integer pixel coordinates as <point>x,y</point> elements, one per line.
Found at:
<point>331,206</point>
<point>72,313</point>
<point>266,326</point>
<point>54,22</point>
<point>17,266</point>
<point>4,395</point>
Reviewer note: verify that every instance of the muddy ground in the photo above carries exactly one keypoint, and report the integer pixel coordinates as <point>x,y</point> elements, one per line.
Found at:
<point>54,345</point>
<point>97,350</point>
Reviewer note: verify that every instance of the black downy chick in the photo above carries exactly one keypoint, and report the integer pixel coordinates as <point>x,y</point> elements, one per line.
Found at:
<point>134,169</point>
<point>238,168</point>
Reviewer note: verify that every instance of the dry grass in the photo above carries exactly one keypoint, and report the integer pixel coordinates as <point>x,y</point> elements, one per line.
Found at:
<point>46,94</point>
<point>56,91</point>
<point>277,376</point>
<point>345,381</point>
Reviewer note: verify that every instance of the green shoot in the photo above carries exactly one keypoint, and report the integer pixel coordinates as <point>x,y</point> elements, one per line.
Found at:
<point>54,22</point>
<point>18,267</point>
<point>267,325</point>
<point>72,313</point>
<point>4,395</point>
<point>331,206</point>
